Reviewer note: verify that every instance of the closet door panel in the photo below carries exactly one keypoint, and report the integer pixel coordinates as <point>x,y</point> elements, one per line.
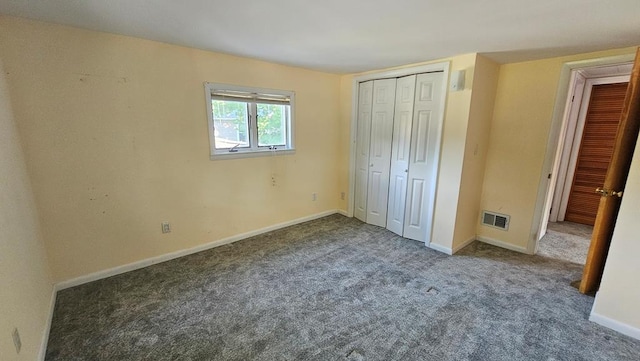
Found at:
<point>400,150</point>
<point>425,149</point>
<point>363,135</point>
<point>380,150</point>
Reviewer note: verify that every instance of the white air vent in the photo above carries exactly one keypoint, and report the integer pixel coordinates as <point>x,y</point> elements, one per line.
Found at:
<point>495,220</point>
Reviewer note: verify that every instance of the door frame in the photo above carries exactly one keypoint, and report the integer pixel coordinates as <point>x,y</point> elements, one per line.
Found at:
<point>392,73</point>
<point>553,152</point>
<point>572,144</point>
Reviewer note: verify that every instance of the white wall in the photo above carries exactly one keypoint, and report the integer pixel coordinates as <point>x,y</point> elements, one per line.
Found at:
<point>25,280</point>
<point>618,300</point>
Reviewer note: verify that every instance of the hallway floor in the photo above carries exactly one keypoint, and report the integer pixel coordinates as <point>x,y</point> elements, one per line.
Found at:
<point>566,241</point>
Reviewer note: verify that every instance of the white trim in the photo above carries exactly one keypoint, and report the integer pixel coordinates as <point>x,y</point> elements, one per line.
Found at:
<point>344,213</point>
<point>543,203</point>
<point>503,244</point>
<point>47,327</point>
<point>464,244</point>
<point>399,73</point>
<point>618,326</point>
<point>252,154</point>
<point>253,149</point>
<point>565,143</point>
<point>169,256</point>
<point>395,73</point>
<point>615,325</point>
<point>440,248</point>
<point>351,199</point>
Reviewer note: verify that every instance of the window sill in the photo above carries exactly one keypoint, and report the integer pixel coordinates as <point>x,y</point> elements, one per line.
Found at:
<point>251,154</point>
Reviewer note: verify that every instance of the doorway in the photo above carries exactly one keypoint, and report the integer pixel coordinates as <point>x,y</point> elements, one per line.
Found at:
<point>592,120</point>
<point>396,132</point>
<point>611,190</point>
<point>559,162</point>
<point>593,116</point>
<point>596,97</point>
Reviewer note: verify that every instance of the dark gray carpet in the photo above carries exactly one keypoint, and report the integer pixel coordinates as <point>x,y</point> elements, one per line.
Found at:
<point>566,241</point>
<point>336,289</point>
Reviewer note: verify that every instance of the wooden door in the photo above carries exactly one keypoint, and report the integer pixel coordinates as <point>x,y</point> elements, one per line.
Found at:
<point>614,183</point>
<point>384,98</point>
<point>363,134</point>
<point>596,149</point>
<point>405,90</point>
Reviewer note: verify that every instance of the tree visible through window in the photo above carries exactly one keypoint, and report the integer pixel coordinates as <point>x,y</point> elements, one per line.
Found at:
<point>271,125</point>
<point>247,120</point>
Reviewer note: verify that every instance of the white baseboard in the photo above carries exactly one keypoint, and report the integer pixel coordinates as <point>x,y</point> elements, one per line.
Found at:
<point>449,251</point>
<point>463,244</point>
<point>618,326</point>
<point>169,256</point>
<point>503,244</point>
<point>440,248</point>
<point>344,213</point>
<point>47,326</point>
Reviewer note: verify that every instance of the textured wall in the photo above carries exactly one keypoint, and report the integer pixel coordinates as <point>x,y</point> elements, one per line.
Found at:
<point>116,141</point>
<point>485,81</point>
<point>25,279</point>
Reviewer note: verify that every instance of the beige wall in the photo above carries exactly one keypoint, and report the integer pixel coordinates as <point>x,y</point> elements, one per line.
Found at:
<point>520,127</point>
<point>452,149</point>
<point>485,81</point>
<point>454,135</point>
<point>115,136</point>
<point>619,296</point>
<point>25,279</point>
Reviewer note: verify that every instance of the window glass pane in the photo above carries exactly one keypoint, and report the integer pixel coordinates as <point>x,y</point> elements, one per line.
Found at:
<point>230,124</point>
<point>272,124</point>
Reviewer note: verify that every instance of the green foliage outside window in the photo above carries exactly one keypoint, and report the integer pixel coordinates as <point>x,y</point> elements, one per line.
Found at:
<point>271,119</point>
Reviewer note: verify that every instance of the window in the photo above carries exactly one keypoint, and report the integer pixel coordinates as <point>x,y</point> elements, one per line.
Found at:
<point>246,122</point>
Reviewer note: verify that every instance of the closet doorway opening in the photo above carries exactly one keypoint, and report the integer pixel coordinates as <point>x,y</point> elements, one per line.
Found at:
<point>396,128</point>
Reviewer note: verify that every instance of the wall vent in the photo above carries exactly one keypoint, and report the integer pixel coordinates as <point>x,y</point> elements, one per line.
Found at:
<point>496,220</point>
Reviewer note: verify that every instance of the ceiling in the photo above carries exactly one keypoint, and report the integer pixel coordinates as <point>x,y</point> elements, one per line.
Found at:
<point>346,36</point>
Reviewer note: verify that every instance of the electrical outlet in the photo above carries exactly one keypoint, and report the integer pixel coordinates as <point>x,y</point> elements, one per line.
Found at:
<point>166,227</point>
<point>314,196</point>
<point>342,195</point>
<point>16,339</point>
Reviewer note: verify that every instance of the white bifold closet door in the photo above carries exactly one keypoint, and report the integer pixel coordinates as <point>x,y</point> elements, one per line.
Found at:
<point>380,150</point>
<point>400,148</point>
<point>425,149</point>
<point>397,148</point>
<point>365,97</point>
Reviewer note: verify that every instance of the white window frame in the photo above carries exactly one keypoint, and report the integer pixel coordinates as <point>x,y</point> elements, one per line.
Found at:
<point>252,94</point>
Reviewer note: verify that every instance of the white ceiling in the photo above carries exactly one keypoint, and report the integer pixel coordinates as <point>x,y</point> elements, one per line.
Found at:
<point>346,36</point>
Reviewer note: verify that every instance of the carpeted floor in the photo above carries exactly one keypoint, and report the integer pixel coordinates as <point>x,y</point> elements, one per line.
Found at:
<point>566,241</point>
<point>336,289</point>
